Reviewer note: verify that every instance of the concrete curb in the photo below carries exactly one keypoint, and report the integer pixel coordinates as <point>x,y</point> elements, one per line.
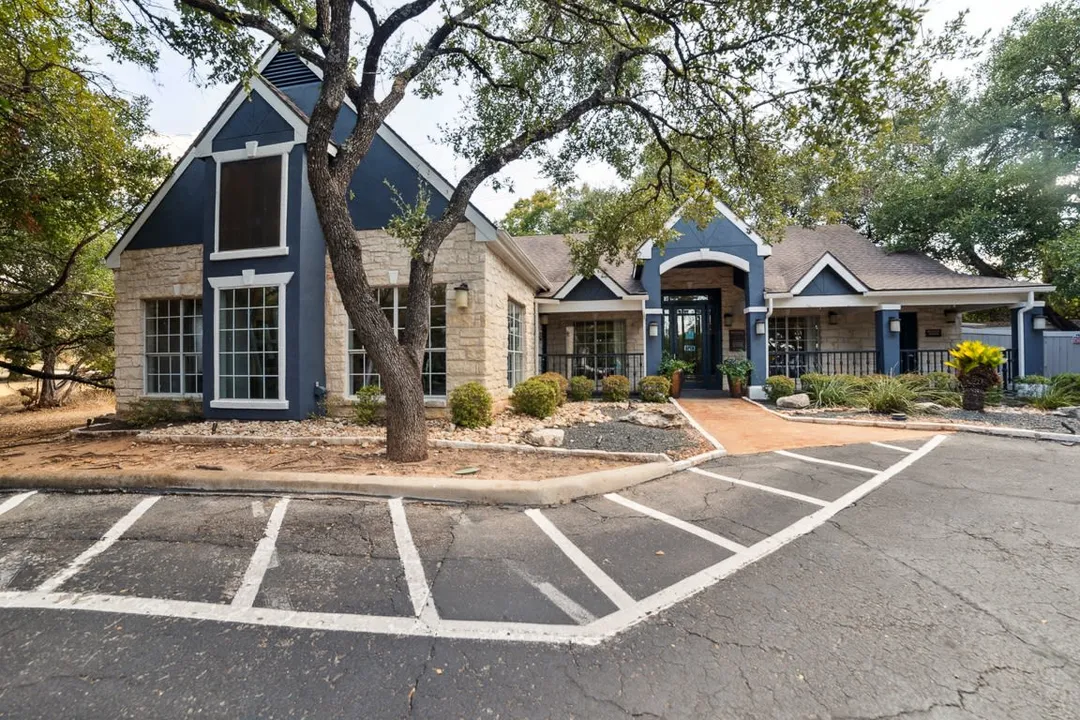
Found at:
<point>552,491</point>
<point>929,426</point>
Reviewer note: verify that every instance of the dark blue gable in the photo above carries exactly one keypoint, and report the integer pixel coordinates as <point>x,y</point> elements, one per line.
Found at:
<point>829,282</point>
<point>591,289</point>
<point>175,221</point>
<point>371,202</point>
<point>253,120</point>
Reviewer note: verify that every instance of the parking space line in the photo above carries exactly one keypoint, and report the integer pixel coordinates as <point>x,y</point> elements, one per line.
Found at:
<point>114,533</point>
<point>599,578</point>
<point>681,524</point>
<point>887,446</point>
<point>557,597</point>
<point>766,488</point>
<point>14,501</point>
<point>260,559</point>
<point>423,601</point>
<point>820,461</point>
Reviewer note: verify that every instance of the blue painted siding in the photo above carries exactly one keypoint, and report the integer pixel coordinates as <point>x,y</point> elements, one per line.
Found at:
<point>176,220</point>
<point>591,289</point>
<point>253,120</point>
<point>1034,347</point>
<point>886,342</point>
<point>828,282</point>
<point>371,202</point>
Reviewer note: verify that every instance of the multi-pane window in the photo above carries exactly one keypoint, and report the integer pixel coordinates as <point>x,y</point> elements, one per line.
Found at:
<point>791,340</point>
<point>249,204</point>
<point>600,337</point>
<point>173,347</point>
<point>249,353</point>
<point>515,345</point>
<point>394,302</point>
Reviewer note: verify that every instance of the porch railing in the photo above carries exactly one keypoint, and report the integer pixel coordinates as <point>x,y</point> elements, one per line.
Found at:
<point>596,366</point>
<point>925,361</point>
<point>795,363</point>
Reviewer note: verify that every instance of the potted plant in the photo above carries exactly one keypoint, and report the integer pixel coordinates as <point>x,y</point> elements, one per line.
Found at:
<point>976,367</point>
<point>1030,387</point>
<point>673,369</point>
<point>738,374</point>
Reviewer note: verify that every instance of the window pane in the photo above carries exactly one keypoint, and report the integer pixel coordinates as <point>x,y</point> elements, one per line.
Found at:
<point>250,204</point>
<point>247,352</point>
<point>172,346</point>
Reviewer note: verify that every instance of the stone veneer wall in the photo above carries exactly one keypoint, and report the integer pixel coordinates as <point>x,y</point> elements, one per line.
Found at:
<point>855,331</point>
<point>159,273</point>
<point>501,286</point>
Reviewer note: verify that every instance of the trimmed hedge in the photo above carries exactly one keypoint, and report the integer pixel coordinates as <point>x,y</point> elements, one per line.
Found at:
<point>470,406</point>
<point>557,381</point>
<point>535,397</point>
<point>778,386</point>
<point>615,388</point>
<point>581,388</point>
<point>366,408</point>
<point>654,388</point>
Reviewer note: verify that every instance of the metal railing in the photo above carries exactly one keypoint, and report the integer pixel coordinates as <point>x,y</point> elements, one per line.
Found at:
<point>596,366</point>
<point>794,363</point>
<point>926,361</point>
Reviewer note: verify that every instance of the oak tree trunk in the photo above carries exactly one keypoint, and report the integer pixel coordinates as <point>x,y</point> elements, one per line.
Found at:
<point>47,395</point>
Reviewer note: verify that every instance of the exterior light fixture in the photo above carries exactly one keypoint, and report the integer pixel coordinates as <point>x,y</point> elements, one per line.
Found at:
<point>728,319</point>
<point>950,314</point>
<point>834,318</point>
<point>654,329</point>
<point>894,324</point>
<point>759,327</point>
<point>461,296</point>
<point>544,319</point>
<point>1038,322</point>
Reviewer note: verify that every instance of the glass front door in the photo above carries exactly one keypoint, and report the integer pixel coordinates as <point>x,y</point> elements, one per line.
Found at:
<point>691,334</point>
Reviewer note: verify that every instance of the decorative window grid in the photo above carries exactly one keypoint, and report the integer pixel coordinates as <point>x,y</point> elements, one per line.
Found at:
<point>515,347</point>
<point>248,349</point>
<point>600,337</point>
<point>172,339</point>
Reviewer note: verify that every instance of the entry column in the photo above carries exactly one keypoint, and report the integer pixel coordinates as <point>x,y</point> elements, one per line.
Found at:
<point>887,339</point>
<point>757,349</point>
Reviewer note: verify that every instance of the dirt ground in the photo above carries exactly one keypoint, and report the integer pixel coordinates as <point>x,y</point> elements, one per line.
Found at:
<point>19,426</point>
<point>126,455</point>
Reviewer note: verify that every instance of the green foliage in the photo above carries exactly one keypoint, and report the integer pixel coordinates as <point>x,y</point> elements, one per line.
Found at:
<point>1032,380</point>
<point>832,390</point>
<point>1064,390</point>
<point>581,388</point>
<point>560,383</point>
<point>976,364</point>
<point>936,387</point>
<point>556,211</point>
<point>470,406</point>
<point>367,404</point>
<point>737,369</point>
<point>615,388</point>
<point>654,388</point>
<point>886,394</point>
<point>778,386</point>
<point>1069,383</point>
<point>535,397</point>
<point>150,412</point>
<point>669,365</point>
<point>411,219</point>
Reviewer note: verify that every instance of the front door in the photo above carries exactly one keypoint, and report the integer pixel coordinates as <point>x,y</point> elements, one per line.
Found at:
<point>691,334</point>
<point>909,342</point>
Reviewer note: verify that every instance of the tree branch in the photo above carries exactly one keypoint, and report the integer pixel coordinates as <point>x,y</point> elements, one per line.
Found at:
<point>100,381</point>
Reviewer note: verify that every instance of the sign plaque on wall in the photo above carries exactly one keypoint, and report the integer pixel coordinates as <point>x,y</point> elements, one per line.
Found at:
<point>933,332</point>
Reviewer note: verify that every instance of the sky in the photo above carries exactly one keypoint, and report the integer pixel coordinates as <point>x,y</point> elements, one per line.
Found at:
<point>181,107</point>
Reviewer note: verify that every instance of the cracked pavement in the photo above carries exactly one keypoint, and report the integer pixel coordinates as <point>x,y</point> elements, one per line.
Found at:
<point>952,592</point>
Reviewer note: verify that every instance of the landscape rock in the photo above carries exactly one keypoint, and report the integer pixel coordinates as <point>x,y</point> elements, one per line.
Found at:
<point>657,416</point>
<point>1070,412</point>
<point>799,401</point>
<point>544,437</point>
<point>931,408</point>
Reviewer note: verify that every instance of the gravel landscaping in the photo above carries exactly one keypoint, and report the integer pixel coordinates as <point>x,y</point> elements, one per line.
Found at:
<point>1023,418</point>
<point>617,436</point>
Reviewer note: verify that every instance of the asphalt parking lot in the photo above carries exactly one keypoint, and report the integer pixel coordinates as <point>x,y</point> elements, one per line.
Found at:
<point>857,581</point>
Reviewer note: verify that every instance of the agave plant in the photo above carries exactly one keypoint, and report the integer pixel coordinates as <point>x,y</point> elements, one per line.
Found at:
<point>976,367</point>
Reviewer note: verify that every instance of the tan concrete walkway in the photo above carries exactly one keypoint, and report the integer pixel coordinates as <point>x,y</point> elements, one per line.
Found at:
<point>744,428</point>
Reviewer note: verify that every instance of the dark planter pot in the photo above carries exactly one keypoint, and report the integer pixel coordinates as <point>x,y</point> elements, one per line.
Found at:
<point>676,384</point>
<point>974,399</point>
<point>736,386</point>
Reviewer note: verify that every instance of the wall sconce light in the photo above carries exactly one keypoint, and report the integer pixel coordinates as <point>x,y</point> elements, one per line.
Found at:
<point>759,327</point>
<point>544,319</point>
<point>728,319</point>
<point>834,318</point>
<point>950,314</point>
<point>894,324</point>
<point>654,330</point>
<point>1038,322</point>
<point>461,296</point>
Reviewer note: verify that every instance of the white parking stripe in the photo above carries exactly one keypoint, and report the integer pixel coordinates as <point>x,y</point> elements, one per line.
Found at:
<point>115,532</point>
<point>887,446</point>
<point>681,524</point>
<point>766,488</point>
<point>261,558</point>
<point>599,578</point>
<point>557,597</point>
<point>14,501</point>
<point>422,601</point>
<point>819,461</point>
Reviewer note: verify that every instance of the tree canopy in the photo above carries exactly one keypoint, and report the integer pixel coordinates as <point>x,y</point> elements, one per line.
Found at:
<point>553,210</point>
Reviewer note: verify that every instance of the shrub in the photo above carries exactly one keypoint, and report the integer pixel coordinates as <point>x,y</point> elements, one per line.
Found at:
<point>836,391</point>
<point>937,387</point>
<point>942,381</point>
<point>535,397</point>
<point>810,382</point>
<point>157,411</point>
<point>581,388</point>
<point>366,407</point>
<point>884,394</point>
<point>615,388</point>
<point>470,406</point>
<point>560,384</point>
<point>976,367</point>
<point>778,386</point>
<point>1033,380</point>
<point>654,388</point>
<point>1063,390</point>
<point>669,364</point>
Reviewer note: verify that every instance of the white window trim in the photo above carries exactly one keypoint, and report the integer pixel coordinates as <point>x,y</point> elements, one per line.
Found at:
<point>828,261</point>
<point>251,152</point>
<point>246,280</point>
<point>521,337</point>
<point>145,368</point>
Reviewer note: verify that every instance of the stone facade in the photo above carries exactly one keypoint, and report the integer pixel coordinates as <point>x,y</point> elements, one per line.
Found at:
<point>560,330</point>
<point>475,337</point>
<point>160,273</point>
<point>713,277</point>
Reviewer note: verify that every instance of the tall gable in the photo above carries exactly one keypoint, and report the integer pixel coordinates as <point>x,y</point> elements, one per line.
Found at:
<point>253,120</point>
<point>829,282</point>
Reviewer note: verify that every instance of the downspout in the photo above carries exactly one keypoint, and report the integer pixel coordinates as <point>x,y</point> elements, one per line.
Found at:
<point>768,314</point>
<point>1021,361</point>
